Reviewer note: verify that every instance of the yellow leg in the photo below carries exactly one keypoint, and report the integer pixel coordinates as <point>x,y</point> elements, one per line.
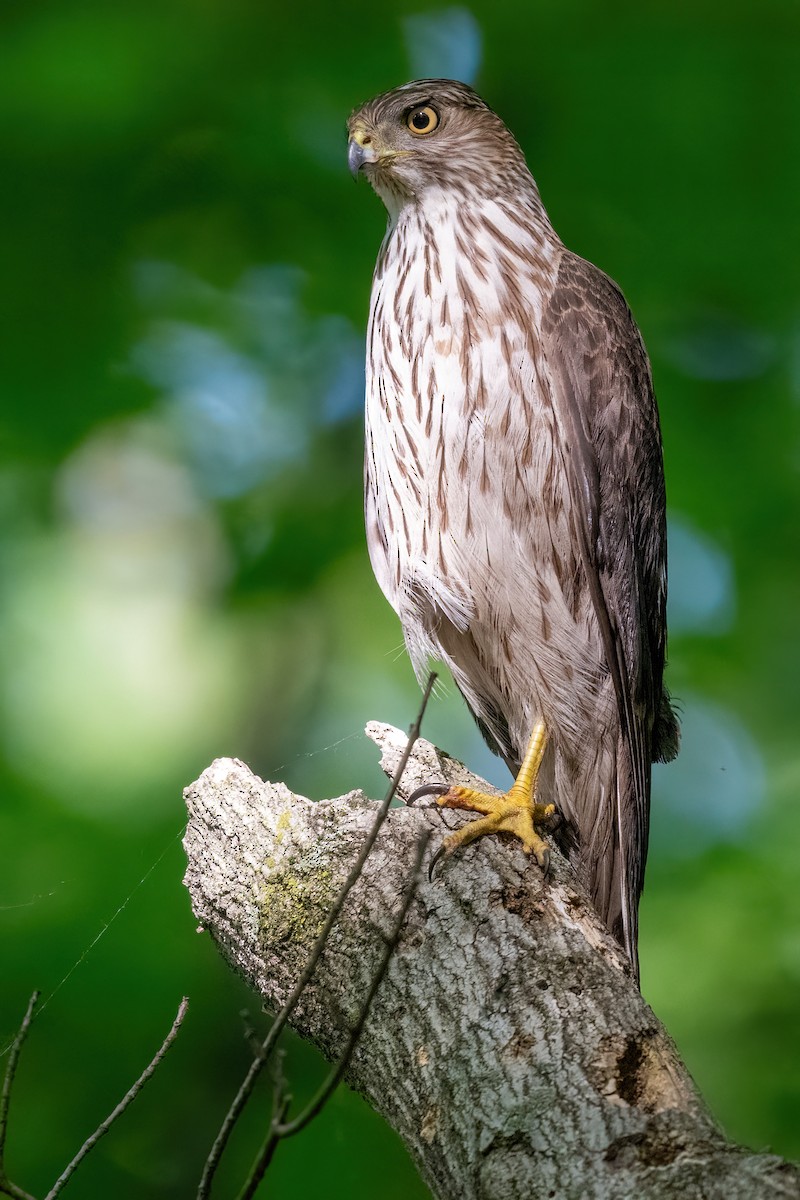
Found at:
<point>516,812</point>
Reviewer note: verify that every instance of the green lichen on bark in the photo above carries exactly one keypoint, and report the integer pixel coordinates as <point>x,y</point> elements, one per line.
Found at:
<point>294,901</point>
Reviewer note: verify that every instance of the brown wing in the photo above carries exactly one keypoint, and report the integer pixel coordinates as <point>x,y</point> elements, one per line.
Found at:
<point>603,394</point>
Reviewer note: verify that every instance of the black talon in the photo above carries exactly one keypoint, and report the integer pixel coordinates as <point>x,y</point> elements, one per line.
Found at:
<point>430,789</point>
<point>434,860</point>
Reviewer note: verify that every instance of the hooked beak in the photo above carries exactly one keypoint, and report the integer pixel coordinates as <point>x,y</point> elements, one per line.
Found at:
<point>360,150</point>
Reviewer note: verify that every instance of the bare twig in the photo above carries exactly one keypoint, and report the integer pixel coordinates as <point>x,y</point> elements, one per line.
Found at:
<point>336,1075</point>
<point>278,1129</point>
<point>257,1065</point>
<point>281,1100</point>
<point>127,1099</point>
<point>6,1186</point>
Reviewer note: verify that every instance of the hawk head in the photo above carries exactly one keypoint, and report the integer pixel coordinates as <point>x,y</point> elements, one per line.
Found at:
<point>432,134</point>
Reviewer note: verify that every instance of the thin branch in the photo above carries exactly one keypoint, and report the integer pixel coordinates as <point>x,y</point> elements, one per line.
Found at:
<point>257,1065</point>
<point>336,1075</point>
<point>277,1129</point>
<point>280,1106</point>
<point>6,1186</point>
<point>127,1099</point>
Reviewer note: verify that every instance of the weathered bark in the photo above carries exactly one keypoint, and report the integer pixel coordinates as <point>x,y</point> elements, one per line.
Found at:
<point>507,1045</point>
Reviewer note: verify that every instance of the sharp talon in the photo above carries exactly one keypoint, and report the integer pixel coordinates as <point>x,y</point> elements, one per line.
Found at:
<point>543,860</point>
<point>430,789</point>
<point>434,860</point>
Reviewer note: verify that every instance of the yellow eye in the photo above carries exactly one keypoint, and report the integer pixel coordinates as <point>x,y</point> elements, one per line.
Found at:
<point>422,120</point>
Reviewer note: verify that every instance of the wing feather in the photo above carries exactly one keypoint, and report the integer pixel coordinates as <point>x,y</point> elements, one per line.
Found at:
<point>603,395</point>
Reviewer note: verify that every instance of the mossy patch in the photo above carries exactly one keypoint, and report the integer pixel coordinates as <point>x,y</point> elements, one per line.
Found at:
<point>284,823</point>
<point>294,903</point>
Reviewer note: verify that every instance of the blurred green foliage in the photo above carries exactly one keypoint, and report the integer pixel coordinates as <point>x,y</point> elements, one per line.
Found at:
<point>185,272</point>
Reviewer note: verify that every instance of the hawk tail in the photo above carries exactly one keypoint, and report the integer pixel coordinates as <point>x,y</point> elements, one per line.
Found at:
<point>603,835</point>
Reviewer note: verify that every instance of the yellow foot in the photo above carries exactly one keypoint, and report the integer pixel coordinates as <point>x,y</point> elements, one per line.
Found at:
<point>515,812</point>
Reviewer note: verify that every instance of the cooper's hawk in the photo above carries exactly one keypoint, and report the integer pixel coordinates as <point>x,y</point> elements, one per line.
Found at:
<point>514,483</point>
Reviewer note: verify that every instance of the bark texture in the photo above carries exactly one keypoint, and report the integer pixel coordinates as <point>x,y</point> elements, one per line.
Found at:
<point>507,1044</point>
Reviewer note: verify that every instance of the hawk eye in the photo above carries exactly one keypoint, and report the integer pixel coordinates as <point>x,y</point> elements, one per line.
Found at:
<point>422,120</point>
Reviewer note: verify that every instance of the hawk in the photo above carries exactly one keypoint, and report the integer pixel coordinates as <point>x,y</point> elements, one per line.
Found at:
<point>515,505</point>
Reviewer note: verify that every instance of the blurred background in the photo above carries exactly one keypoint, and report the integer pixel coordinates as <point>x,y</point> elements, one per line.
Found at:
<point>185,274</point>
